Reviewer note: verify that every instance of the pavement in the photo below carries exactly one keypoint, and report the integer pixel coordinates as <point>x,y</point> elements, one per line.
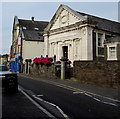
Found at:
<point>103,93</point>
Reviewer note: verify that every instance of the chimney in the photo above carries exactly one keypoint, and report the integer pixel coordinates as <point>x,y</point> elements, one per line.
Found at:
<point>32,18</point>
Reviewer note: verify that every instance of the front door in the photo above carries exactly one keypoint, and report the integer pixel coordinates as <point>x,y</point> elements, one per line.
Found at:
<point>65,51</point>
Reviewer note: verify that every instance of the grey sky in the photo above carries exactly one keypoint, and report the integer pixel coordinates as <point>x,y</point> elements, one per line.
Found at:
<point>44,12</point>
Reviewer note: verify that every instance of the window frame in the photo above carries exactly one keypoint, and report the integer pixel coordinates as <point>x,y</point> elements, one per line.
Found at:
<point>112,52</point>
<point>109,57</point>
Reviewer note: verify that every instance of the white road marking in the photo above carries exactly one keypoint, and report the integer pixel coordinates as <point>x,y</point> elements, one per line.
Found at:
<point>39,98</point>
<point>110,103</point>
<point>64,115</point>
<point>75,89</point>
<point>88,95</point>
<point>35,103</point>
<point>95,98</point>
<point>80,91</point>
<point>77,92</point>
<point>40,95</point>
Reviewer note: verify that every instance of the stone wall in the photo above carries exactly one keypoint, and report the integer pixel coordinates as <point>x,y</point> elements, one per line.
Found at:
<point>52,71</point>
<point>118,51</point>
<point>42,71</point>
<point>102,73</point>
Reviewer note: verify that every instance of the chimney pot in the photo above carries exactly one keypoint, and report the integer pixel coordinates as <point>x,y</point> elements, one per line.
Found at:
<point>32,18</point>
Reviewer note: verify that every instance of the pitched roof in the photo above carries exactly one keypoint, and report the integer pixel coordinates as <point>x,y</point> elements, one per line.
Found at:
<point>33,35</point>
<point>33,30</point>
<point>102,23</point>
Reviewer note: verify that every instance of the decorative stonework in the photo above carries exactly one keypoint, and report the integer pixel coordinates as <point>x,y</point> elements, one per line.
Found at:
<point>84,31</point>
<point>64,19</point>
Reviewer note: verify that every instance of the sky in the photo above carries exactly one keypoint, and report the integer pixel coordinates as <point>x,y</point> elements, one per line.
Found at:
<point>44,11</point>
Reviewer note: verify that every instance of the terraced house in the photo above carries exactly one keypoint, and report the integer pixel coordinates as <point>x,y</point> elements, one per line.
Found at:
<point>27,40</point>
<point>80,36</point>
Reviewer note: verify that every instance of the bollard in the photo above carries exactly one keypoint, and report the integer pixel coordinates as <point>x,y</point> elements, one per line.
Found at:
<point>62,70</point>
<point>29,63</point>
<point>26,66</point>
<point>63,67</point>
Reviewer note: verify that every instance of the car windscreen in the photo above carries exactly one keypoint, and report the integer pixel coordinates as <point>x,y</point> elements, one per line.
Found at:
<point>3,68</point>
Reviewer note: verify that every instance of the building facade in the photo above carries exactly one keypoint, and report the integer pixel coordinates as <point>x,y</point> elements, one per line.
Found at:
<point>27,39</point>
<point>79,36</point>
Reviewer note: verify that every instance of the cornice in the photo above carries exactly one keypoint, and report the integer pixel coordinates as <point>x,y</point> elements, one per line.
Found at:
<point>69,28</point>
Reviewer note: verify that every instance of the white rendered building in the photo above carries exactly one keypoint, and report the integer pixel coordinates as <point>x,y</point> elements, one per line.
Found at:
<point>79,36</point>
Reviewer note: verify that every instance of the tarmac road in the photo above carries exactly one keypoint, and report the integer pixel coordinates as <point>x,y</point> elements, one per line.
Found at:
<point>17,106</point>
<point>73,104</point>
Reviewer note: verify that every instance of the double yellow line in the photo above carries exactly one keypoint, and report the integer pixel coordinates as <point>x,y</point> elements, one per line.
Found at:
<point>72,88</point>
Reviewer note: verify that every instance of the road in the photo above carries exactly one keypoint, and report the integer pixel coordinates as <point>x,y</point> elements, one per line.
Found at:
<point>74,105</point>
<point>17,106</point>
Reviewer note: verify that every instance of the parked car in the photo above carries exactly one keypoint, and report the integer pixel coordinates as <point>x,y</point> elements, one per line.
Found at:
<point>9,79</point>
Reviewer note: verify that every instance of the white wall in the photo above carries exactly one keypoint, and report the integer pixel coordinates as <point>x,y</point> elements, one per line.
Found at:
<point>78,38</point>
<point>79,42</point>
<point>32,49</point>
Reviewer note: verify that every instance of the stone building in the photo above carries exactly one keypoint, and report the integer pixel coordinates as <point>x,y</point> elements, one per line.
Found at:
<point>27,39</point>
<point>80,36</point>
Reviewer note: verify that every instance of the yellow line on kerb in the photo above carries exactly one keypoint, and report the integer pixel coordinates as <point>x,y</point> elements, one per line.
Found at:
<point>72,88</point>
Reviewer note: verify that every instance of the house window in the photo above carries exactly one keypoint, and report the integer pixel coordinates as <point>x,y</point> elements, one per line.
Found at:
<point>112,52</point>
<point>100,43</point>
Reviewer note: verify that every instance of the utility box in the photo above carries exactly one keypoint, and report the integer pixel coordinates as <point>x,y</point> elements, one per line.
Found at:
<point>11,83</point>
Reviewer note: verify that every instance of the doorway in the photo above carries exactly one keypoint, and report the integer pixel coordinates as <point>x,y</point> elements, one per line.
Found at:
<point>65,51</point>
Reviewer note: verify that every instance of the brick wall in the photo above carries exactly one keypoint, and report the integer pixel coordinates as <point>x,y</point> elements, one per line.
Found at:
<point>103,73</point>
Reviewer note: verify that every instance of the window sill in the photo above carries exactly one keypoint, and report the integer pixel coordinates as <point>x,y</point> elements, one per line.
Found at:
<point>112,59</point>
